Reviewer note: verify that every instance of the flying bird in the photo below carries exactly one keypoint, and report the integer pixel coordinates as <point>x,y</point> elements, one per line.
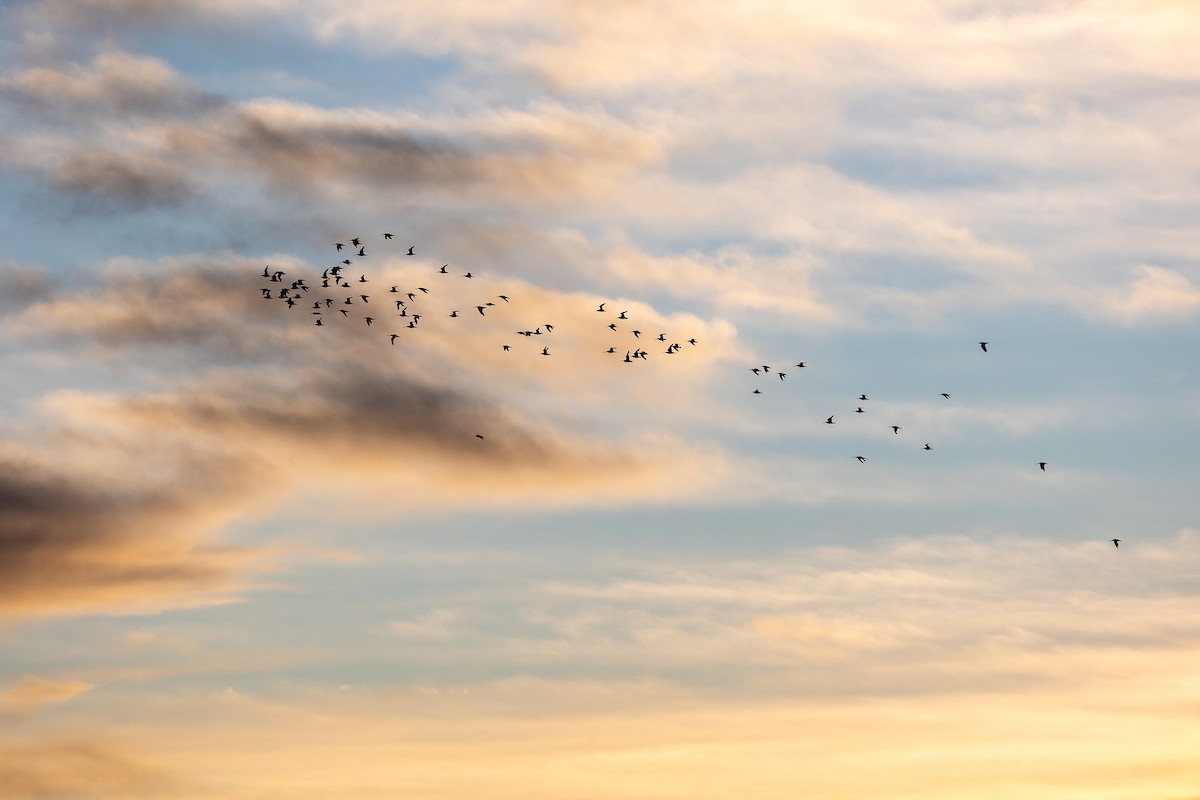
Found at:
<point>369,320</point>
<point>503,297</point>
<point>545,351</point>
<point>356,241</point>
<point>442,271</point>
<point>387,236</point>
<point>756,391</point>
<point>410,252</point>
<point>1116,542</point>
<point>945,395</point>
<point>1042,464</point>
<point>394,335</point>
<point>983,345</point>
<point>861,459</point>
<point>468,275</point>
<point>480,310</point>
<point>479,436</point>
<point>859,410</point>
<point>612,326</point>
<point>863,397</point>
<point>927,447</point>
<point>339,246</point>
<point>601,308</point>
<point>505,347</point>
<point>362,251</point>
<point>895,429</point>
<point>829,421</point>
<point>801,364</point>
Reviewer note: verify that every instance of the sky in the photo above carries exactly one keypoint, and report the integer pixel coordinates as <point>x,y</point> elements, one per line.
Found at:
<point>247,557</point>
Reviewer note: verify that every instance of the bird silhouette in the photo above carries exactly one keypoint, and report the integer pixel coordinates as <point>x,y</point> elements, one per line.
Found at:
<point>983,345</point>
<point>927,447</point>
<point>801,364</point>
<point>895,429</point>
<point>362,251</point>
<point>410,252</point>
<point>863,397</point>
<point>503,297</point>
<point>339,246</point>
<point>945,395</point>
<point>505,347</point>
<point>622,315</point>
<point>545,351</point>
<point>1116,542</point>
<point>829,421</point>
<point>442,271</point>
<point>861,459</point>
<point>468,275</point>
<point>601,308</point>
<point>859,410</point>
<point>394,335</point>
<point>387,236</point>
<point>1042,464</point>
<point>356,241</point>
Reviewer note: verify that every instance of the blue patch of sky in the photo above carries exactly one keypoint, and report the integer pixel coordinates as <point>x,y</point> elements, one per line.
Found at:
<point>250,63</point>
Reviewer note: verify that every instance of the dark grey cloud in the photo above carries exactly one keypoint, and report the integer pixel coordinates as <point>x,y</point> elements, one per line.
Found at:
<point>69,542</point>
<point>23,285</point>
<point>101,181</point>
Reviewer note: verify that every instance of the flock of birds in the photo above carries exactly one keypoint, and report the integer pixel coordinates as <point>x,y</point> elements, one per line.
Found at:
<point>338,293</point>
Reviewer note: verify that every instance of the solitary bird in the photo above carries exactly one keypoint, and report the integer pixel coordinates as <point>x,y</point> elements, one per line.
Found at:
<point>339,246</point>
<point>410,252</point>
<point>895,429</point>
<point>480,310</point>
<point>601,308</point>
<point>393,339</point>
<point>861,459</point>
<point>468,275</point>
<point>545,351</point>
<point>387,236</point>
<point>984,346</point>
<point>637,334</point>
<point>506,348</point>
<point>1116,542</point>
<point>863,397</point>
<point>369,320</point>
<point>1042,464</point>
<point>356,241</point>
<point>756,391</point>
<point>945,395</point>
<point>801,364</point>
<point>479,436</point>
<point>503,297</point>
<point>362,251</point>
<point>454,313</point>
<point>612,326</point>
<point>754,370</point>
<point>442,271</point>
<point>829,421</point>
<point>859,410</point>
<point>927,447</point>
<point>622,315</point>
<point>781,375</point>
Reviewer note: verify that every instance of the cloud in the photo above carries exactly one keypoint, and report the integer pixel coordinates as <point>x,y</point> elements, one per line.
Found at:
<point>115,83</point>
<point>74,768</point>
<point>73,543</point>
<point>32,691</point>
<point>1156,296</point>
